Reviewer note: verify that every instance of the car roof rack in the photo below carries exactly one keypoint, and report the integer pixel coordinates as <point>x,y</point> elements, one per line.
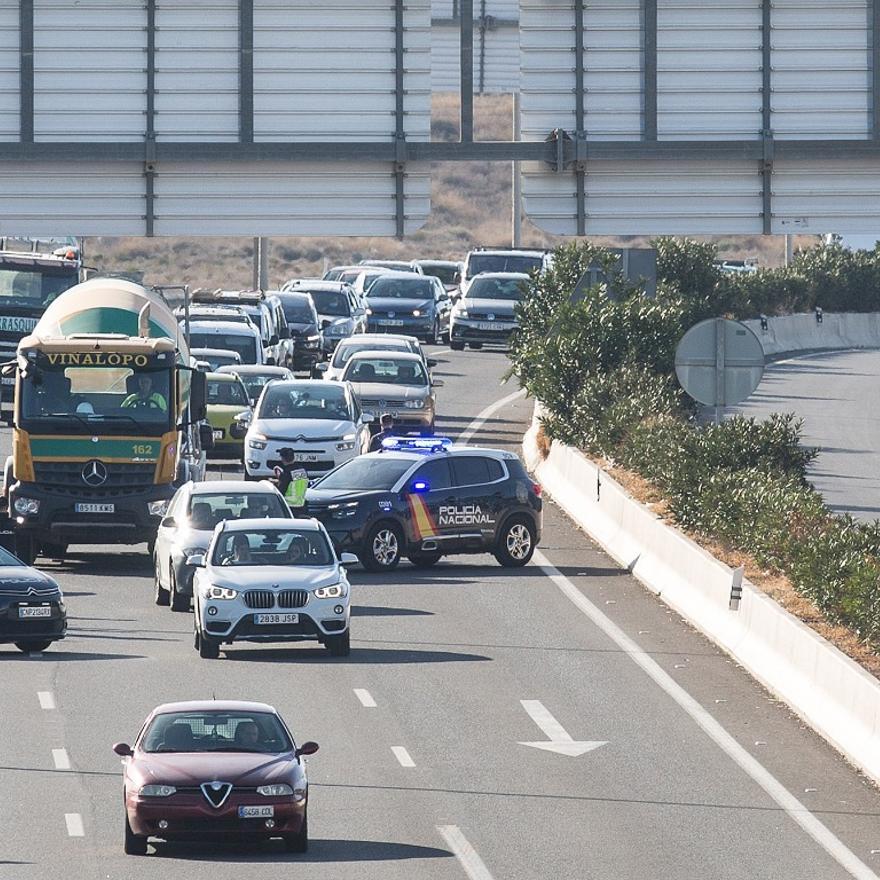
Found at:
<point>416,444</point>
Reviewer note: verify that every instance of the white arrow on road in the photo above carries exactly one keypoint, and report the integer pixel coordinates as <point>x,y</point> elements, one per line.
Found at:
<point>559,741</point>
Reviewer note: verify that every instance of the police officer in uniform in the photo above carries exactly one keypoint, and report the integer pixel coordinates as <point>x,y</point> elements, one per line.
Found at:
<point>292,481</point>
<point>387,430</point>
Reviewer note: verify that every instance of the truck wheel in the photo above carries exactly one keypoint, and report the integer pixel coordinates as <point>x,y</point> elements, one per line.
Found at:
<point>26,548</point>
<point>456,346</point>
<point>516,543</point>
<point>382,549</point>
<point>339,646</point>
<point>54,551</point>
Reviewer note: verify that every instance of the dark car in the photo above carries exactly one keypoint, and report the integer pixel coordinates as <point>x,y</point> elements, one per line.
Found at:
<point>215,768</point>
<point>407,302</point>
<point>485,314</point>
<point>32,613</point>
<point>305,329</point>
<point>424,498</point>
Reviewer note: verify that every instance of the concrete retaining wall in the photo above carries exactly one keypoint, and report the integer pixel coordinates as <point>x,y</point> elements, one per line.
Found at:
<point>839,330</point>
<point>828,690</point>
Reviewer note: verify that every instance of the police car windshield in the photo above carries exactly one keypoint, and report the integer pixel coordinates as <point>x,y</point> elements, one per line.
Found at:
<point>496,288</point>
<point>271,547</point>
<point>319,400</point>
<point>366,473</point>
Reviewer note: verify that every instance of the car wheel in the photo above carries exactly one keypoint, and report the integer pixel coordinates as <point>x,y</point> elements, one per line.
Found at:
<point>179,601</point>
<point>160,594</point>
<point>382,548</point>
<point>26,548</point>
<point>27,647</point>
<point>135,845</point>
<point>54,551</point>
<point>298,843</point>
<point>339,646</point>
<point>433,338</point>
<point>425,559</point>
<point>456,346</point>
<point>209,649</point>
<point>516,543</point>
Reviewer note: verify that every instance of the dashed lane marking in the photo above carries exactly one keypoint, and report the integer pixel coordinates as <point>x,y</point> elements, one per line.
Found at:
<point>61,759</point>
<point>74,825</point>
<point>366,699</point>
<point>467,856</point>
<point>47,701</point>
<point>402,756</point>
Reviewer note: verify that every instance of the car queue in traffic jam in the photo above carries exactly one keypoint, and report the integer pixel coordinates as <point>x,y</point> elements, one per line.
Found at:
<point>323,399</point>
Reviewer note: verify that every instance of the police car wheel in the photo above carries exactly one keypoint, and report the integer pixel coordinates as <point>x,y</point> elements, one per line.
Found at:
<point>424,560</point>
<point>516,543</point>
<point>382,548</point>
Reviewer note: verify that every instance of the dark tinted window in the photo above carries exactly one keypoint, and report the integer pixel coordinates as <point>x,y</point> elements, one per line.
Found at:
<point>328,302</point>
<point>297,311</point>
<point>435,473</point>
<point>366,472</point>
<point>445,273</point>
<point>389,287</point>
<point>502,263</point>
<point>471,470</point>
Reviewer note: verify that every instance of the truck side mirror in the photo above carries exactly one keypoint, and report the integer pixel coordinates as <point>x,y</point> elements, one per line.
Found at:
<point>198,396</point>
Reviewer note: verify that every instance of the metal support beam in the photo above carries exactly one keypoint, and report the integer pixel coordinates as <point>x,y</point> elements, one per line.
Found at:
<point>399,130</point>
<point>766,118</point>
<point>483,28</point>
<point>466,13</point>
<point>246,71</point>
<point>580,134</point>
<point>150,137</point>
<point>875,68</point>
<point>649,69</point>
<point>26,70</point>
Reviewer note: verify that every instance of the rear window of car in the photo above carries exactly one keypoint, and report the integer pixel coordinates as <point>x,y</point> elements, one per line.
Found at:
<point>205,510</point>
<point>474,470</point>
<point>226,393</point>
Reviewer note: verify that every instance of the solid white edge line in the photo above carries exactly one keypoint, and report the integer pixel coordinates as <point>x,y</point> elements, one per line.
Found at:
<point>775,789</point>
<point>47,701</point>
<point>74,825</point>
<point>61,759</point>
<point>488,412</point>
<point>366,699</point>
<point>464,852</point>
<point>402,756</point>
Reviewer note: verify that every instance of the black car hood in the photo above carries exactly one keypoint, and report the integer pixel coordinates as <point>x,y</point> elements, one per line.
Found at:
<point>22,582</point>
<point>322,497</point>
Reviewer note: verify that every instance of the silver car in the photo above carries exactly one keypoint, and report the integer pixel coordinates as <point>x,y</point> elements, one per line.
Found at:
<point>189,523</point>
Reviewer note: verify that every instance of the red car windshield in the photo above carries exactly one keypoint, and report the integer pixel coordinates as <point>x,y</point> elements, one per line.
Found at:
<point>216,732</point>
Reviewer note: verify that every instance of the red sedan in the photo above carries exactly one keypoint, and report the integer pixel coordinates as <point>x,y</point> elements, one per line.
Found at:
<point>215,768</point>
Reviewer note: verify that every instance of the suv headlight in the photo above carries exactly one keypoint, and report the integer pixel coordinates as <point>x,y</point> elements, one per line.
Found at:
<point>414,404</point>
<point>341,511</point>
<point>257,441</point>
<point>157,508</point>
<point>278,790</point>
<point>460,313</point>
<point>417,313</point>
<point>335,591</point>
<point>221,593</point>
<point>27,505</point>
<point>157,790</point>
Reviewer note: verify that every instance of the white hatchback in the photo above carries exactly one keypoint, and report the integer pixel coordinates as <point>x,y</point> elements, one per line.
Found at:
<point>271,580</point>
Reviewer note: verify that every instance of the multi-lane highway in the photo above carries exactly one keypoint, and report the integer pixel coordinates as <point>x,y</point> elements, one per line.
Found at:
<point>431,763</point>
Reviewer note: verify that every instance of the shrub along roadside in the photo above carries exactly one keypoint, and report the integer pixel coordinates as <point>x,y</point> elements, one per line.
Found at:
<point>603,371</point>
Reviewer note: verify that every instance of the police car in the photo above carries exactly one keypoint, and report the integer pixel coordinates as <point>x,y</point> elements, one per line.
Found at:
<point>425,498</point>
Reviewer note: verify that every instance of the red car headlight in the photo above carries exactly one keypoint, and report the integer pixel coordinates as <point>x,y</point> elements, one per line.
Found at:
<point>157,790</point>
<point>278,790</point>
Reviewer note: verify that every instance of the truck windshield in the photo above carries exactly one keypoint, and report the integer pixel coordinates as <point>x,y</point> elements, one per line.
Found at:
<point>85,398</point>
<point>33,288</point>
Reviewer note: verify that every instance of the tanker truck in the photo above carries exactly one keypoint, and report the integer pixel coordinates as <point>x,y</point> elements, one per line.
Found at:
<point>106,420</point>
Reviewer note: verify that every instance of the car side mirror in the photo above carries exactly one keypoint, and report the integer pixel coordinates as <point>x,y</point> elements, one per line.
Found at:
<point>124,750</point>
<point>432,362</point>
<point>437,383</point>
<point>348,559</point>
<point>366,418</point>
<point>197,560</point>
<point>168,523</point>
<point>322,367</point>
<point>325,323</point>
<point>456,279</point>
<point>307,748</point>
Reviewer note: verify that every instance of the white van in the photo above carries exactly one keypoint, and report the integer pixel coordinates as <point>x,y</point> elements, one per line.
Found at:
<point>241,338</point>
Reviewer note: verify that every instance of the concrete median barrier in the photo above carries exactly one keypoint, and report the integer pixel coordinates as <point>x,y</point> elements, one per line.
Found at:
<point>832,693</point>
<point>789,334</point>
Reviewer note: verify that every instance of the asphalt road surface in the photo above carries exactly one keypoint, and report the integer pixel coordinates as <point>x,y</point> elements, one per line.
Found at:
<point>837,394</point>
<point>689,771</point>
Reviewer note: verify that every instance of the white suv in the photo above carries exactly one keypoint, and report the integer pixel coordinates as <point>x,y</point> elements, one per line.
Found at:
<point>271,580</point>
<point>504,260</point>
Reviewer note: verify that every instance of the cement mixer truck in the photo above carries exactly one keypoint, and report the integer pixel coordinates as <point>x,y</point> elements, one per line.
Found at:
<point>106,420</point>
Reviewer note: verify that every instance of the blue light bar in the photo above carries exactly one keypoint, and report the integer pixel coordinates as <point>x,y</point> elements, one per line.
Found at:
<point>415,444</point>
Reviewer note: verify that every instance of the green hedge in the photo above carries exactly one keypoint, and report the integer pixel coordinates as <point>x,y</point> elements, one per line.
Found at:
<point>603,371</point>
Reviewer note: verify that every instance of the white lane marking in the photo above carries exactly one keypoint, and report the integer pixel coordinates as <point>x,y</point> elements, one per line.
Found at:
<point>487,413</point>
<point>74,825</point>
<point>402,756</point>
<point>796,811</point>
<point>467,856</point>
<point>366,699</point>
<point>434,351</point>
<point>61,759</point>
<point>558,739</point>
<point>47,701</point>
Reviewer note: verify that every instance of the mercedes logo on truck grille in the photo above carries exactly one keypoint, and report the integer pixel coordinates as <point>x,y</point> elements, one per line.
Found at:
<point>94,473</point>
